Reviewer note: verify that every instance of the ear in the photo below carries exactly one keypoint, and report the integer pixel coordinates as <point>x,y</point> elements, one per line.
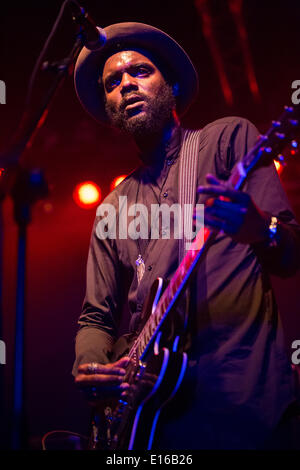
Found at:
<point>175,88</point>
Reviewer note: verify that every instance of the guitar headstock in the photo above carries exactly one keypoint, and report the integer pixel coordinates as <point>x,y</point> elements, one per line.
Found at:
<point>282,134</point>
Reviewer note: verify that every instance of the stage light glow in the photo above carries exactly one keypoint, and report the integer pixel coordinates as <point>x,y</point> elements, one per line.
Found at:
<point>278,166</point>
<point>87,194</point>
<point>117,181</point>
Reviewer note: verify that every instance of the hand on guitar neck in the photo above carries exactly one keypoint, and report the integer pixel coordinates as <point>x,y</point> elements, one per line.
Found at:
<point>233,212</point>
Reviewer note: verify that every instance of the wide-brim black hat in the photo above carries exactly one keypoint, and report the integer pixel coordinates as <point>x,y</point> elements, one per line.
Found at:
<point>164,49</point>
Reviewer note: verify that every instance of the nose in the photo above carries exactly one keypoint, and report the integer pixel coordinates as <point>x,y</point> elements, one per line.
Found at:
<point>128,83</point>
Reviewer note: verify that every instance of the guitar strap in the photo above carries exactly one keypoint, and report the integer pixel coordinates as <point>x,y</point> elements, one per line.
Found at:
<point>187,185</point>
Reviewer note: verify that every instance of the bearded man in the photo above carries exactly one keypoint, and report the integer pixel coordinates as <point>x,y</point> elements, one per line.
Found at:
<point>237,383</point>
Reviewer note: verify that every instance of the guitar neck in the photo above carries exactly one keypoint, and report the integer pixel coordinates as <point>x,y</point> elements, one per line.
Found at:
<point>268,145</point>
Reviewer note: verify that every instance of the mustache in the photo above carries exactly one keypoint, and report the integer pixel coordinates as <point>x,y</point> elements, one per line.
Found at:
<point>127,99</point>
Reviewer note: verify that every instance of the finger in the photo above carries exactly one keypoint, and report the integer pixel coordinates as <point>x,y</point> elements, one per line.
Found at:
<point>124,386</point>
<point>98,379</point>
<point>213,223</point>
<point>226,209</point>
<point>217,191</point>
<point>229,222</point>
<point>91,366</point>
<point>211,179</point>
<point>101,369</point>
<point>212,190</point>
<point>95,394</point>
<point>229,205</point>
<point>123,362</point>
<point>100,390</point>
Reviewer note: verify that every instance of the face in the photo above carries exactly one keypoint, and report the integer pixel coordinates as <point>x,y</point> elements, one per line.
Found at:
<point>138,99</point>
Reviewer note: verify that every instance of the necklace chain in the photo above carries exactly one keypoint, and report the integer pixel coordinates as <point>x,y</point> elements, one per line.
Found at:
<point>140,263</point>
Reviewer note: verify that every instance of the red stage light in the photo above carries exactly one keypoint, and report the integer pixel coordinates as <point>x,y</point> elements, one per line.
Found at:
<point>117,181</point>
<point>87,195</point>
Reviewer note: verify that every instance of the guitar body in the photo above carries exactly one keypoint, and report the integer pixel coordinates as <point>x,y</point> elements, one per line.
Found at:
<point>142,409</point>
<point>154,380</point>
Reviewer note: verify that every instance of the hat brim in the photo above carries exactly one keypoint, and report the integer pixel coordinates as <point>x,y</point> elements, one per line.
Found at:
<point>89,65</point>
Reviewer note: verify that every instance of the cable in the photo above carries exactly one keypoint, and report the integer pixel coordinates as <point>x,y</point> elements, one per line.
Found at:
<point>61,431</point>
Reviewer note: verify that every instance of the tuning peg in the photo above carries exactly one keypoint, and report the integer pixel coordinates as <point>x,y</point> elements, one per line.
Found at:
<point>294,122</point>
<point>289,109</point>
<point>280,135</point>
<point>276,123</point>
<point>294,148</point>
<point>280,158</point>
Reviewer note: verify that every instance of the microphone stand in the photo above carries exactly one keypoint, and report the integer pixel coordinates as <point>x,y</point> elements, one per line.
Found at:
<point>27,188</point>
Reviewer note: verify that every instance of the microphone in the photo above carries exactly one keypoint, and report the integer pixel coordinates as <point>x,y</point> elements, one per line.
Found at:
<point>94,37</point>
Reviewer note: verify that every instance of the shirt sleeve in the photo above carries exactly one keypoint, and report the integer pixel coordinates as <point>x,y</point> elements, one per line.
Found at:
<point>264,186</point>
<point>100,312</point>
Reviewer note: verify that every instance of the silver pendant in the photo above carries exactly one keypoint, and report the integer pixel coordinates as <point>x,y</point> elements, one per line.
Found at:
<point>140,268</point>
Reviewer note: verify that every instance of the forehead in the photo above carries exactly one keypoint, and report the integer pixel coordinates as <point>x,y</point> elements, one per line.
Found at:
<point>121,59</point>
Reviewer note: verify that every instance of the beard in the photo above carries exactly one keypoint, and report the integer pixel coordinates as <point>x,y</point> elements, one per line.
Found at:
<point>158,112</point>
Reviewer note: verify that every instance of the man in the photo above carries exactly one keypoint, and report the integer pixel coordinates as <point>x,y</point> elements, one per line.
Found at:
<point>238,382</point>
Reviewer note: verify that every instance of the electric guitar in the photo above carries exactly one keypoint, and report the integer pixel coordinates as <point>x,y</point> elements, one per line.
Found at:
<point>158,363</point>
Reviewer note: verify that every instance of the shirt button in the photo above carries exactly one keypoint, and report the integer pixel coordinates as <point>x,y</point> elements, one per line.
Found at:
<point>139,307</point>
<point>165,194</point>
<point>149,268</point>
<point>169,162</point>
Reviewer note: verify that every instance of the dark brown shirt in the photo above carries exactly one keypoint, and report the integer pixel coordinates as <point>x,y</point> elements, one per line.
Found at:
<point>238,364</point>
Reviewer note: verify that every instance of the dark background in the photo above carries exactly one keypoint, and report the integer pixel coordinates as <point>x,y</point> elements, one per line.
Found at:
<point>71,147</point>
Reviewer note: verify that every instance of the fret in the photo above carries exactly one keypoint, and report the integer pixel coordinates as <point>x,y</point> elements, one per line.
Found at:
<point>137,348</point>
<point>187,261</point>
<point>182,271</point>
<point>176,281</point>
<point>152,325</point>
<point>157,315</point>
<point>168,295</point>
<point>162,305</point>
<point>141,343</point>
<point>147,334</point>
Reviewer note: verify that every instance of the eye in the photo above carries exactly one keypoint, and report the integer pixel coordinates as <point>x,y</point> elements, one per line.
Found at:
<point>141,71</point>
<point>111,83</point>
